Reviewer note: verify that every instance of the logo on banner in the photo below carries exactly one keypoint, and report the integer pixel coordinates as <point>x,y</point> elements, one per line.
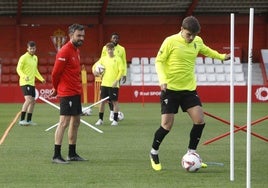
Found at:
<point>262,93</point>
<point>45,93</point>
<point>59,38</point>
<point>136,93</point>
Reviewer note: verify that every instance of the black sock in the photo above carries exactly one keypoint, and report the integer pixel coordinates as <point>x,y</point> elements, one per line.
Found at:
<point>116,116</point>
<point>101,115</point>
<point>195,135</point>
<point>72,148</point>
<point>57,151</point>
<point>158,137</point>
<point>29,117</point>
<point>22,117</point>
<point>111,106</point>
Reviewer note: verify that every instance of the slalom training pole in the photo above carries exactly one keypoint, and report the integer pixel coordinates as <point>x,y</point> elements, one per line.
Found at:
<point>250,44</point>
<point>232,99</point>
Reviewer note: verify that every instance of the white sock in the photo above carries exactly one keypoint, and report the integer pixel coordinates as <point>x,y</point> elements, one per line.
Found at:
<point>191,151</point>
<point>154,152</point>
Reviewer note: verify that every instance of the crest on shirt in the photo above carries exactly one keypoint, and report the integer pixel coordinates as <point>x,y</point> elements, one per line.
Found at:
<point>59,38</point>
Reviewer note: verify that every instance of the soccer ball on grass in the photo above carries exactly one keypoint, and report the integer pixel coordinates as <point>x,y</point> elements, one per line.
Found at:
<point>191,162</point>
<point>120,115</point>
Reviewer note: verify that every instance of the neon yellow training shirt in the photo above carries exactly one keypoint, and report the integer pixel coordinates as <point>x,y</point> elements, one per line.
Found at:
<point>175,61</point>
<point>120,52</point>
<point>113,70</point>
<point>27,67</point>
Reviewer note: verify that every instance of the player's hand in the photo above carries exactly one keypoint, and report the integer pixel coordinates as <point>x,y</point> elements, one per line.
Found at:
<point>227,57</point>
<point>163,87</point>
<point>53,92</point>
<point>44,81</point>
<point>123,79</point>
<point>115,83</point>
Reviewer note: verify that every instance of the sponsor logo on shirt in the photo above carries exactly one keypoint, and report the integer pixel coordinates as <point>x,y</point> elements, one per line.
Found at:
<point>61,59</point>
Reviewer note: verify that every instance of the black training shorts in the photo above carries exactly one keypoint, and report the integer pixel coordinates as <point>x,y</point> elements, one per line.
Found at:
<point>28,90</point>
<point>70,106</point>
<point>172,100</point>
<point>112,92</point>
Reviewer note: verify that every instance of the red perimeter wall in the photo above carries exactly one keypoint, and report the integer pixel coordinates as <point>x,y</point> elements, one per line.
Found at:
<point>146,94</point>
<point>142,36</point>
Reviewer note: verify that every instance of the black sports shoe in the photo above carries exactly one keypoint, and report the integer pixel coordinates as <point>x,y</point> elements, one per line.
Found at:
<point>75,158</point>
<point>59,160</point>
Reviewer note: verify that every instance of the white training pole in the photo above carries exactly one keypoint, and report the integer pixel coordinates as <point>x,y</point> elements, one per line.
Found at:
<point>84,122</point>
<point>232,99</point>
<point>250,44</point>
<point>48,102</point>
<point>52,127</point>
<point>96,103</point>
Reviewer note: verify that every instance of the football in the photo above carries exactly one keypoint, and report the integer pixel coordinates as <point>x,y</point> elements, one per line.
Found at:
<point>86,111</point>
<point>99,68</point>
<point>191,162</point>
<point>120,115</point>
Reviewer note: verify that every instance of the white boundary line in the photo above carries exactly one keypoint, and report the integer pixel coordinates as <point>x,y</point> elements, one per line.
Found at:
<point>82,121</point>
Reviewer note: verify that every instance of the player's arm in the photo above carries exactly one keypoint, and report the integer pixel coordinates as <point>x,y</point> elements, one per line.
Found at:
<point>104,51</point>
<point>20,70</point>
<point>120,72</point>
<point>161,59</point>
<point>58,69</point>
<point>207,51</point>
<point>38,75</point>
<point>124,58</point>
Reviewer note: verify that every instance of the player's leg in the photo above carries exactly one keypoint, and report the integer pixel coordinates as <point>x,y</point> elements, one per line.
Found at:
<point>113,94</point>
<point>159,135</point>
<point>30,110</point>
<point>111,107</point>
<point>104,93</point>
<point>167,119</point>
<point>27,101</point>
<point>59,133</point>
<point>197,116</point>
<point>115,109</point>
<point>75,111</point>
<point>193,107</point>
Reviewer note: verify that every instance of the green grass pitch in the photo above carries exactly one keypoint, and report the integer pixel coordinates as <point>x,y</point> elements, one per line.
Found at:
<point>120,156</point>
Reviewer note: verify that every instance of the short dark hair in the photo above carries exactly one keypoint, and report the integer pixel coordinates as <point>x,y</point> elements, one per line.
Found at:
<point>116,34</point>
<point>191,24</point>
<point>31,44</point>
<point>72,28</point>
<point>109,45</point>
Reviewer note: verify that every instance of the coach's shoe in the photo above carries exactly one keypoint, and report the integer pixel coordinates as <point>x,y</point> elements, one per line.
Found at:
<point>31,123</point>
<point>23,123</point>
<point>76,158</point>
<point>114,123</point>
<point>59,160</point>
<point>99,122</point>
<point>156,165</point>
<point>204,165</point>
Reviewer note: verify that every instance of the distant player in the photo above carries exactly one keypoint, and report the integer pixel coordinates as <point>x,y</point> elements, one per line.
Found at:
<point>119,51</point>
<point>113,72</point>
<point>27,70</point>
